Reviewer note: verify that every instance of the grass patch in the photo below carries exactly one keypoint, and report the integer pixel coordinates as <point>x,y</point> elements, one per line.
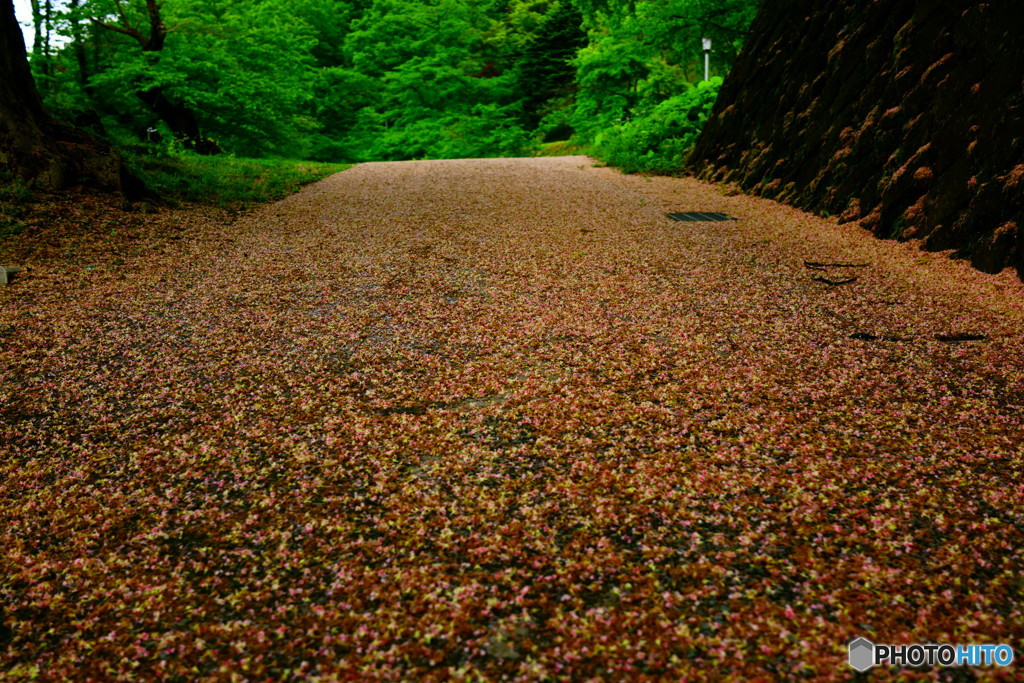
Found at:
<point>562,148</point>
<point>224,181</point>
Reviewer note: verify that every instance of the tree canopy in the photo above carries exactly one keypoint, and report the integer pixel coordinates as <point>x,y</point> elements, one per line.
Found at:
<point>349,80</point>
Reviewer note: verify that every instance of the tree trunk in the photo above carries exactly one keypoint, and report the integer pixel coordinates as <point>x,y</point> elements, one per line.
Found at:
<point>36,148</point>
<point>47,30</point>
<point>179,118</point>
<point>46,67</point>
<point>37,27</point>
<point>78,45</point>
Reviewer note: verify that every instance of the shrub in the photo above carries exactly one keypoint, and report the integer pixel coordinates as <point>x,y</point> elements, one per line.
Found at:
<point>657,140</point>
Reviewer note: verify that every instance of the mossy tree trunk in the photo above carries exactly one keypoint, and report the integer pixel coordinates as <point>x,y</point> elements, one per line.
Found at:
<point>33,146</point>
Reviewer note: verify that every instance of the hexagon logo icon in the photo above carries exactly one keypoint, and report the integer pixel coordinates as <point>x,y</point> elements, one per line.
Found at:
<point>862,654</point>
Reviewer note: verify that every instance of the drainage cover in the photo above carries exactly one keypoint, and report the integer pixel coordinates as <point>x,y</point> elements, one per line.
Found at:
<point>700,217</point>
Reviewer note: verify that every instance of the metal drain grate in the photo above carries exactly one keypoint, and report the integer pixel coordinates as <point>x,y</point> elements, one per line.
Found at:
<point>700,217</point>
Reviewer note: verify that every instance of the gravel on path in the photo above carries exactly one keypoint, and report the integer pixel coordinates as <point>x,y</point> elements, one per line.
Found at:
<point>503,418</point>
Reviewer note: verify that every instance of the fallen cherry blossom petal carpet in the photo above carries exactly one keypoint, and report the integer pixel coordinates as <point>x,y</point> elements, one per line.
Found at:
<point>505,419</point>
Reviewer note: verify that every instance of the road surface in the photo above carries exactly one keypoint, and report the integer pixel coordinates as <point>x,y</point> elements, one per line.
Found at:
<point>503,417</point>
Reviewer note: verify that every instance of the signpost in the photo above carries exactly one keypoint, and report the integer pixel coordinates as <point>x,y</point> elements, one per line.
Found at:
<point>707,58</point>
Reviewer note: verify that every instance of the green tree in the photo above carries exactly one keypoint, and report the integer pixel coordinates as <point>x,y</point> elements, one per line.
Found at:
<point>339,80</point>
<point>145,26</point>
<point>215,72</point>
<point>643,53</point>
<point>440,93</point>
<point>547,36</point>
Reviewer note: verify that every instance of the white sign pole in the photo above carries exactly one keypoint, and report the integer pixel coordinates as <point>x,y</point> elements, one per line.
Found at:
<point>707,58</point>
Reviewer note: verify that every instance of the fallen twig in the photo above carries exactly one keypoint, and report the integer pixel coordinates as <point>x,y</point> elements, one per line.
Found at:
<point>961,337</point>
<point>867,336</point>
<point>834,283</point>
<point>815,265</point>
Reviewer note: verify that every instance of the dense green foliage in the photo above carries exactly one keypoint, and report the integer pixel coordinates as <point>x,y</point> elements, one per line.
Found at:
<point>352,80</point>
<point>656,140</point>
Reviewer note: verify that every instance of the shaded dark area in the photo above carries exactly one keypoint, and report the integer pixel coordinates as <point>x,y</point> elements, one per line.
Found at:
<point>546,64</point>
<point>905,116</point>
<point>36,148</point>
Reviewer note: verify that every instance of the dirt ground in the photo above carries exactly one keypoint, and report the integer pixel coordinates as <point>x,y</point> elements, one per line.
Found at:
<point>503,419</point>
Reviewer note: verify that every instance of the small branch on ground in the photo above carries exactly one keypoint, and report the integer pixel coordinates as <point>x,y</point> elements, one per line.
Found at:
<point>815,265</point>
<point>835,283</point>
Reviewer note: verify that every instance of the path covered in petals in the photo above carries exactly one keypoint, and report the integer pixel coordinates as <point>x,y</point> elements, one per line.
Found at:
<point>504,418</point>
